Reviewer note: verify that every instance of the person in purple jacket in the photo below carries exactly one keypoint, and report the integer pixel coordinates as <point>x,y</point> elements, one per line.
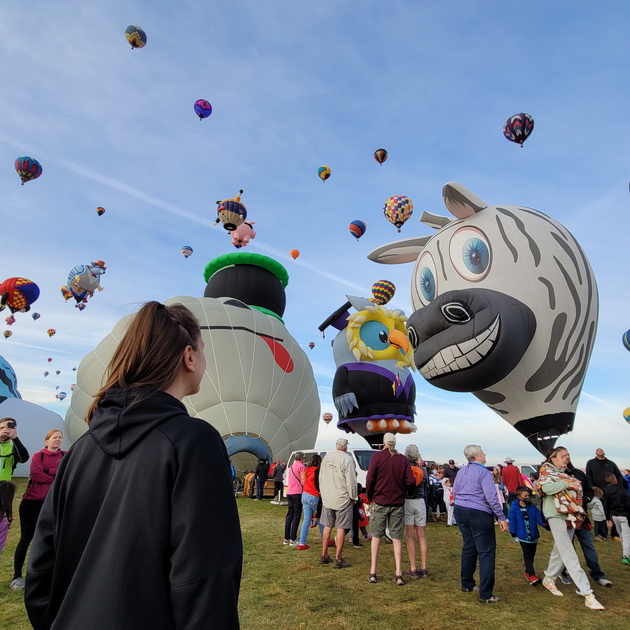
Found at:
<point>44,466</point>
<point>476,506</point>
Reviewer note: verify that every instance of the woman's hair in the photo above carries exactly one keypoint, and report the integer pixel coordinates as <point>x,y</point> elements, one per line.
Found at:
<point>316,460</point>
<point>471,451</point>
<point>51,433</point>
<point>299,457</point>
<point>412,453</point>
<point>7,492</point>
<point>553,452</point>
<point>149,354</point>
<point>496,477</point>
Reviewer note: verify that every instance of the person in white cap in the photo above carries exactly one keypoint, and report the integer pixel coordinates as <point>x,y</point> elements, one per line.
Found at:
<point>511,476</point>
<point>389,479</point>
<point>338,490</point>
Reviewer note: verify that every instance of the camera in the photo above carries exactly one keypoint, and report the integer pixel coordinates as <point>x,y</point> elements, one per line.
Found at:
<point>11,425</point>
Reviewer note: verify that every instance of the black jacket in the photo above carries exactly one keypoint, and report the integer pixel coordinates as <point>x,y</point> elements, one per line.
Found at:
<point>596,469</point>
<point>262,471</point>
<point>616,501</point>
<point>140,528</point>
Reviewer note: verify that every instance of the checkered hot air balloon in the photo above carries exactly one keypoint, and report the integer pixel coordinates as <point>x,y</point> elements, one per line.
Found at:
<point>27,168</point>
<point>18,294</point>
<point>398,209</point>
<point>517,128</point>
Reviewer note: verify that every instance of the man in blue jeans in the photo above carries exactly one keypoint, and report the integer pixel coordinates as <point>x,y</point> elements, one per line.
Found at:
<point>476,507</point>
<point>262,474</point>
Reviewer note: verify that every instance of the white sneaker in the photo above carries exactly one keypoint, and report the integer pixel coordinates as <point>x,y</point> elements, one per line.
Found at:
<point>17,584</point>
<point>592,603</point>
<point>293,543</point>
<point>604,582</point>
<point>550,585</point>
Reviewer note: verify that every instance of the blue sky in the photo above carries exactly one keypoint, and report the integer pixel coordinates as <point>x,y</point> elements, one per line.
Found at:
<point>294,86</point>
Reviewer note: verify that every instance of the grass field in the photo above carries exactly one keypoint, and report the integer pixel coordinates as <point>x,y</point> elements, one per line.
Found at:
<point>283,588</point>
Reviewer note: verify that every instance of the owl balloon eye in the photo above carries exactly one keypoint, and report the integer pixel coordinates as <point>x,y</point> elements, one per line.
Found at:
<point>375,335</point>
<point>426,279</point>
<point>470,253</point>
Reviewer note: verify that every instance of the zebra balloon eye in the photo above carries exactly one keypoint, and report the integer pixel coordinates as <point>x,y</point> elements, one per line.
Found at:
<point>426,279</point>
<point>470,253</point>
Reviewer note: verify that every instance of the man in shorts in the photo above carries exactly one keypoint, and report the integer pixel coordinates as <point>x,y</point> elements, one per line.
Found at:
<point>338,490</point>
<point>389,479</point>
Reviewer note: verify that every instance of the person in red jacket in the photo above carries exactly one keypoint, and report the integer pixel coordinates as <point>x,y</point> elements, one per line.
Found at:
<point>511,476</point>
<point>44,466</point>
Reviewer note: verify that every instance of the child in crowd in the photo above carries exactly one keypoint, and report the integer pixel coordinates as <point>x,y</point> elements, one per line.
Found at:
<point>617,508</point>
<point>364,519</point>
<point>600,530</point>
<point>449,502</point>
<point>524,518</point>
<point>7,492</point>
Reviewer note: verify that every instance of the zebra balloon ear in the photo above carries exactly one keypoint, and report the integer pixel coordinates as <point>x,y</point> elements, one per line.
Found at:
<point>460,202</point>
<point>404,251</point>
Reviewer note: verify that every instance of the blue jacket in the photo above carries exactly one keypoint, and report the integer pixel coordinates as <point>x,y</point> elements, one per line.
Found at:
<point>517,522</point>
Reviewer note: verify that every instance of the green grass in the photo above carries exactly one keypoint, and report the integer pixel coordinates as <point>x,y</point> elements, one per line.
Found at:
<point>284,588</point>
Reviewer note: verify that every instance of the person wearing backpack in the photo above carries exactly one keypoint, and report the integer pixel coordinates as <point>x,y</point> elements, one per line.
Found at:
<point>416,516</point>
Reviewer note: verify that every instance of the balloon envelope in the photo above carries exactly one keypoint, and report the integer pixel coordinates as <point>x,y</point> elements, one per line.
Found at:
<point>517,128</point>
<point>203,109</point>
<point>626,339</point>
<point>61,395</point>
<point>7,334</point>
<point>136,37</point>
<point>35,316</point>
<point>324,173</point>
<point>380,155</point>
<point>100,211</point>
<point>187,251</point>
<point>18,294</point>
<point>51,332</point>
<point>27,168</point>
<point>311,345</point>
<point>294,253</point>
<point>626,414</point>
<point>327,418</point>
<point>357,228</point>
<point>397,210</point>
<point>383,291</point>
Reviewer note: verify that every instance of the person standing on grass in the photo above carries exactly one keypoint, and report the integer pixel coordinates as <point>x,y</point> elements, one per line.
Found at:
<point>7,492</point>
<point>12,451</point>
<point>44,466</point>
<point>416,516</point>
<point>262,474</point>
<point>338,488</point>
<point>389,479</point>
<point>476,507</point>
<point>617,508</point>
<point>140,528</point>
<point>277,477</point>
<point>511,476</point>
<point>294,500</point>
<point>450,471</point>
<point>310,500</point>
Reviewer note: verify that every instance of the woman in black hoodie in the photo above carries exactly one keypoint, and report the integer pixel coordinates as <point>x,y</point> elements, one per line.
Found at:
<point>140,529</point>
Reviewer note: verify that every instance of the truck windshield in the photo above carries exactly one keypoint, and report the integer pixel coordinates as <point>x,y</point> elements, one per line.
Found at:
<point>364,458</point>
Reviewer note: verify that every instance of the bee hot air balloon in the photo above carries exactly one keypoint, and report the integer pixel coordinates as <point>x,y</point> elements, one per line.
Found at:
<point>324,173</point>
<point>100,211</point>
<point>187,251</point>
<point>397,210</point>
<point>18,294</point>
<point>7,334</point>
<point>294,253</point>
<point>311,344</point>
<point>27,168</point>
<point>136,37</point>
<point>51,332</point>
<point>203,109</point>
<point>327,418</point>
<point>383,291</point>
<point>231,212</point>
<point>357,228</point>
<point>380,155</point>
<point>517,128</point>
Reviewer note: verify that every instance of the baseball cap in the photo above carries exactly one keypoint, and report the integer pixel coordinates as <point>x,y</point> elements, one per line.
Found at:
<point>451,461</point>
<point>389,438</point>
<point>341,442</point>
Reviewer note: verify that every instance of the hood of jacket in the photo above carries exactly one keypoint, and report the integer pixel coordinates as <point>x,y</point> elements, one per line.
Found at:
<point>126,415</point>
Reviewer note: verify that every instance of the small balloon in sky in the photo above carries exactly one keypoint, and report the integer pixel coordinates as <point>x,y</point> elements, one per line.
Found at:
<point>10,320</point>
<point>27,168</point>
<point>136,37</point>
<point>357,228</point>
<point>311,344</point>
<point>398,209</point>
<point>61,395</point>
<point>51,332</point>
<point>383,291</point>
<point>626,414</point>
<point>294,253</point>
<point>46,373</point>
<point>517,128</point>
<point>327,417</point>
<point>203,109</point>
<point>187,251</point>
<point>100,211</point>
<point>626,340</point>
<point>49,359</point>
<point>58,372</point>
<point>324,173</point>
<point>35,316</point>
<point>7,334</point>
<point>380,155</point>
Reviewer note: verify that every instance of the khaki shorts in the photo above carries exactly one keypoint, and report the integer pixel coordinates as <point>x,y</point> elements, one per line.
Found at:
<point>384,516</point>
<point>341,519</point>
<point>415,512</point>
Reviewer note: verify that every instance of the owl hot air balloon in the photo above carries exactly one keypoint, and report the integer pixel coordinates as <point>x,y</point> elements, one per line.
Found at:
<point>27,168</point>
<point>231,212</point>
<point>327,418</point>
<point>517,128</point>
<point>383,291</point>
<point>357,228</point>
<point>51,332</point>
<point>18,294</point>
<point>203,109</point>
<point>397,210</point>
<point>187,251</point>
<point>380,155</point>
<point>136,37</point>
<point>100,211</point>
<point>324,172</point>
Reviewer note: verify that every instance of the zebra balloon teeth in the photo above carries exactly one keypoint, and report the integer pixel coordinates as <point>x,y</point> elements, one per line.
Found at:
<point>506,308</point>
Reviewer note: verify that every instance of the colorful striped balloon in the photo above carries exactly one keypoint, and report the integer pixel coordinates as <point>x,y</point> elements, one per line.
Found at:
<point>203,109</point>
<point>324,173</point>
<point>380,155</point>
<point>357,228</point>
<point>383,291</point>
<point>518,127</point>
<point>27,168</point>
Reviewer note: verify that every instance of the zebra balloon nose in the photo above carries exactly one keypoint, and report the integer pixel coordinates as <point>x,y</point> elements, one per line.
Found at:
<point>456,313</point>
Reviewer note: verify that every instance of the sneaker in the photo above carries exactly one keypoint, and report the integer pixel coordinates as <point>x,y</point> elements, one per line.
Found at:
<point>303,547</point>
<point>414,575</point>
<point>17,584</point>
<point>368,538</point>
<point>533,580</point>
<point>625,560</point>
<point>341,564</point>
<point>293,543</point>
<point>592,603</point>
<point>285,541</point>
<point>493,599</point>
<point>550,585</point>
<point>466,589</point>
<point>564,578</point>
<point>423,573</point>
<point>357,544</point>
<point>616,538</point>
<point>604,582</point>
<point>325,560</point>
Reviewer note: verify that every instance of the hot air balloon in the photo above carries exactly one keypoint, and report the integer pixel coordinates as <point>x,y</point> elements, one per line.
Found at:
<point>18,294</point>
<point>383,291</point>
<point>518,127</point>
<point>294,253</point>
<point>626,340</point>
<point>231,212</point>
<point>46,373</point>
<point>49,359</point>
<point>397,210</point>
<point>324,173</point>
<point>35,316</point>
<point>72,386</point>
<point>203,109</point>
<point>357,228</point>
<point>83,280</point>
<point>136,37</point>
<point>243,234</point>
<point>626,414</point>
<point>61,395</point>
<point>10,320</point>
<point>7,334</point>
<point>58,372</point>
<point>311,344</point>
<point>57,387</point>
<point>27,168</point>
<point>50,332</point>
<point>380,155</point>
<point>327,417</point>
<point>187,251</point>
<point>74,369</point>
<point>100,211</point>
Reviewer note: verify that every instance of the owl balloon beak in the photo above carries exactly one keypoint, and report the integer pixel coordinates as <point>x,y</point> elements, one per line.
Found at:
<point>399,340</point>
